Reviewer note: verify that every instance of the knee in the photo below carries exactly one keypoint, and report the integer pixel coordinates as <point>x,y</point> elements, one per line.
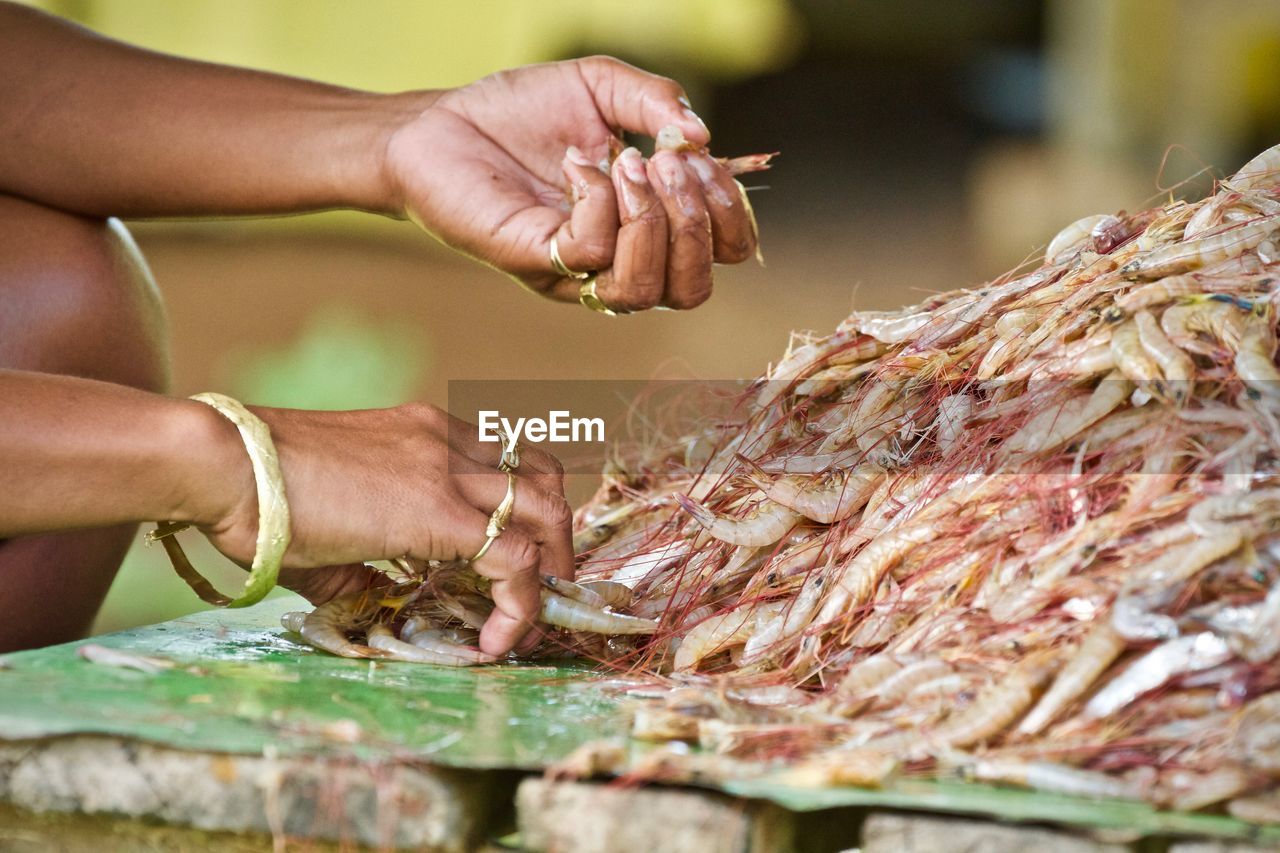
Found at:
<point>76,298</point>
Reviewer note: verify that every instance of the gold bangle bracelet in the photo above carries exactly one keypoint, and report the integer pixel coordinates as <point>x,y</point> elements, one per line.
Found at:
<point>273,511</point>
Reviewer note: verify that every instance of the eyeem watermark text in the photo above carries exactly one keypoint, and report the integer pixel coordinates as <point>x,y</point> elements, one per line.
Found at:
<point>559,427</point>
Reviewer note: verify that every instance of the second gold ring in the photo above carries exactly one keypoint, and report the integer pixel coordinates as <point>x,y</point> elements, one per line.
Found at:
<point>500,518</point>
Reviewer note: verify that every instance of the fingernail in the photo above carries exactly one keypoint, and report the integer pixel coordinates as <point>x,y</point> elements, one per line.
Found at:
<point>694,117</point>
<point>574,155</point>
<point>683,101</point>
<point>632,165</point>
<point>670,172</point>
<point>705,171</point>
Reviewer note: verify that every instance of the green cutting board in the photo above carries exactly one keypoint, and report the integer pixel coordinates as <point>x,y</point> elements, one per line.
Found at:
<point>244,685</point>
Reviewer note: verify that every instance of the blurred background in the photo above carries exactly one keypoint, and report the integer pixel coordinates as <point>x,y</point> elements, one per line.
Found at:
<point>925,145</point>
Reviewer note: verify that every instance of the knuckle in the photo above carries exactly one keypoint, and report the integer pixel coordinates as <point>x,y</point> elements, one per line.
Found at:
<point>424,413</point>
<point>683,300</point>
<point>523,553</point>
<point>556,512</point>
<point>642,297</point>
<point>733,252</point>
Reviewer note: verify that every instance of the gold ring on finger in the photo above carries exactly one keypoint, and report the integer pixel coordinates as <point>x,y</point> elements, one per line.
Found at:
<point>558,264</point>
<point>510,460</point>
<point>587,296</point>
<point>500,518</point>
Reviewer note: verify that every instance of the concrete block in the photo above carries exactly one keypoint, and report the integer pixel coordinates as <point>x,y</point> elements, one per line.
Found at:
<point>891,832</point>
<point>398,805</point>
<point>586,817</point>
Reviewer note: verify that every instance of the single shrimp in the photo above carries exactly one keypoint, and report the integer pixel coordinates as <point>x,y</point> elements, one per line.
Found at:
<point>1201,251</point>
<point>1055,426</point>
<point>1167,660</point>
<point>326,627</point>
<point>441,652</point>
<point>576,592</point>
<point>953,411</point>
<point>866,675</point>
<point>575,616</point>
<point>1133,359</point>
<point>765,525</point>
<point>998,705</point>
<point>1220,320</point>
<point>1071,238</point>
<point>896,686</point>
<point>719,632</point>
<point>1151,294</point>
<point>843,493</point>
<point>1255,358</point>
<point>614,594</point>
<point>892,329</point>
<point>1099,649</point>
<point>1258,808</point>
<point>1187,791</point>
<point>858,579</point>
<point>1178,368</point>
<point>1262,172</point>
<point>1055,778</point>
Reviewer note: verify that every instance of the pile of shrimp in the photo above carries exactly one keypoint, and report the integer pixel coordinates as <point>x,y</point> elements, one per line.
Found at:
<point>1025,534</point>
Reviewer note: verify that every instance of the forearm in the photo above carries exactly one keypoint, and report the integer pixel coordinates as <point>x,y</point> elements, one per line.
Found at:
<point>76,453</point>
<point>98,127</point>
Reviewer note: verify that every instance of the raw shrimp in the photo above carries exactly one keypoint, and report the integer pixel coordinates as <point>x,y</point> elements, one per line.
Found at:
<point>441,652</point>
<point>1221,246</point>
<point>575,616</point>
<point>731,629</point>
<point>843,493</point>
<point>997,706</point>
<point>765,525</point>
<point>1151,294</point>
<point>1070,238</point>
<point>1178,368</point>
<point>1054,778</point>
<point>1099,649</point>
<point>1171,658</point>
<point>326,627</point>
<point>1255,359</point>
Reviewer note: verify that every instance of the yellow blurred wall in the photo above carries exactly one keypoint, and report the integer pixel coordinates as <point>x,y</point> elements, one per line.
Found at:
<point>389,45</point>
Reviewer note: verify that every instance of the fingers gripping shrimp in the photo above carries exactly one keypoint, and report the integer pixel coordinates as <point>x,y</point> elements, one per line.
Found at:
<point>768,523</point>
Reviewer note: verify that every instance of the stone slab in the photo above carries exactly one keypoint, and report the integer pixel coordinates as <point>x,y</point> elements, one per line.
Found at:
<point>891,832</point>
<point>397,805</point>
<point>587,817</point>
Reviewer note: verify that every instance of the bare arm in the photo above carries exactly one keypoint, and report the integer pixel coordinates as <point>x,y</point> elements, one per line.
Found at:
<point>97,127</point>
<point>494,169</point>
<point>362,486</point>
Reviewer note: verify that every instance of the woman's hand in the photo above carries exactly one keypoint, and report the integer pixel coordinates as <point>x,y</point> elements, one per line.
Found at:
<point>499,167</point>
<point>413,481</point>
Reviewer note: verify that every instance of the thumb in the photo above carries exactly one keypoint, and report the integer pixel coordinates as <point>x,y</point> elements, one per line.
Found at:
<point>640,102</point>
